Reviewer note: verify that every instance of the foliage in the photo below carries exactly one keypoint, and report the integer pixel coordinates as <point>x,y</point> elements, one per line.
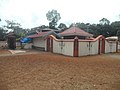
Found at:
<point>53,16</point>
<point>104,28</point>
<point>118,34</point>
<point>62,26</point>
<point>2,33</point>
<point>16,27</point>
<point>104,21</point>
<point>83,26</point>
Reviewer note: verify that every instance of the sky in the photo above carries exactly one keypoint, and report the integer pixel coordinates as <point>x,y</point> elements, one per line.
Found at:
<point>32,13</point>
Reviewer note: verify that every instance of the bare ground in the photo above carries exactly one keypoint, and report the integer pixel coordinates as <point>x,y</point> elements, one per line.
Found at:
<point>4,52</point>
<point>47,71</point>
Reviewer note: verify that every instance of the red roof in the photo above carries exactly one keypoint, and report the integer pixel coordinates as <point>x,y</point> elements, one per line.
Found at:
<point>40,34</point>
<point>75,31</point>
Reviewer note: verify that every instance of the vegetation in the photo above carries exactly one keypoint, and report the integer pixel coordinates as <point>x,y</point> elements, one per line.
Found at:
<point>62,26</point>
<point>2,33</point>
<point>16,28</point>
<point>53,16</point>
<point>104,27</point>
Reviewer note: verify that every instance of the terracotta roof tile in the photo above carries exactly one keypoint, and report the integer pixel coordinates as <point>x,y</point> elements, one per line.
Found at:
<point>75,31</point>
<point>40,34</point>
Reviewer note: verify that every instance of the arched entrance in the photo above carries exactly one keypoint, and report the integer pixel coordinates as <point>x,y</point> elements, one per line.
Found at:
<point>101,47</point>
<point>76,45</point>
<point>50,44</point>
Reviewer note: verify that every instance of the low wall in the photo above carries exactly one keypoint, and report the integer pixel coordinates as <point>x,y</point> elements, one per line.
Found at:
<point>67,48</point>
<point>88,48</point>
<point>56,47</point>
<point>3,44</point>
<point>110,46</point>
<point>39,42</point>
<point>63,47</point>
<point>28,46</point>
<point>119,45</point>
<point>83,47</point>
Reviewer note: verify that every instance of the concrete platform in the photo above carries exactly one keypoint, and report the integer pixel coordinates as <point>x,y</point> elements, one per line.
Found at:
<point>17,51</point>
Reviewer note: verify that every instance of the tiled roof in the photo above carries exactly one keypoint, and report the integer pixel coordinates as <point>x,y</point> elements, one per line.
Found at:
<point>75,31</point>
<point>112,38</point>
<point>40,34</point>
<point>11,34</point>
<point>43,34</point>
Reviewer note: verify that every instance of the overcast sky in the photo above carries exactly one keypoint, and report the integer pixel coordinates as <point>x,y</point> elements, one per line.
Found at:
<point>31,13</point>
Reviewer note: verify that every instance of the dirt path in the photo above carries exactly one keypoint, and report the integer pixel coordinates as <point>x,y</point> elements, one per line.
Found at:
<point>117,56</point>
<point>47,71</point>
<point>4,53</point>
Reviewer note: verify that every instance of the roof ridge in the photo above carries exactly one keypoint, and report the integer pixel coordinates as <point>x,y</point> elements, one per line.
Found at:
<point>74,29</point>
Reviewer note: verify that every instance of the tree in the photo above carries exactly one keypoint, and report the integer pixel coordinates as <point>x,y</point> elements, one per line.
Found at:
<point>94,29</point>
<point>104,21</point>
<point>16,27</point>
<point>53,16</point>
<point>2,33</point>
<point>62,26</point>
<point>115,27</point>
<point>118,34</point>
<point>83,26</point>
<point>13,25</point>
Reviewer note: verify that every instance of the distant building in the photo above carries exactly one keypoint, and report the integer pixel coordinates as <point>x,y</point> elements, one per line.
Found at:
<point>11,40</point>
<point>73,42</point>
<point>74,31</point>
<point>38,40</point>
<point>113,38</point>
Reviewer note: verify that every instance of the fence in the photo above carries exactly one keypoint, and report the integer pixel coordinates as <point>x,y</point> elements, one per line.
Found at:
<point>76,47</point>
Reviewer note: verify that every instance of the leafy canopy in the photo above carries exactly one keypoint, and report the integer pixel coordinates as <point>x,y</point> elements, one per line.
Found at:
<point>53,16</point>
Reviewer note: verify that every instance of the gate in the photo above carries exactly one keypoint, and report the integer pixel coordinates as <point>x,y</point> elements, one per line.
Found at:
<point>76,45</point>
<point>50,44</point>
<point>101,46</point>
